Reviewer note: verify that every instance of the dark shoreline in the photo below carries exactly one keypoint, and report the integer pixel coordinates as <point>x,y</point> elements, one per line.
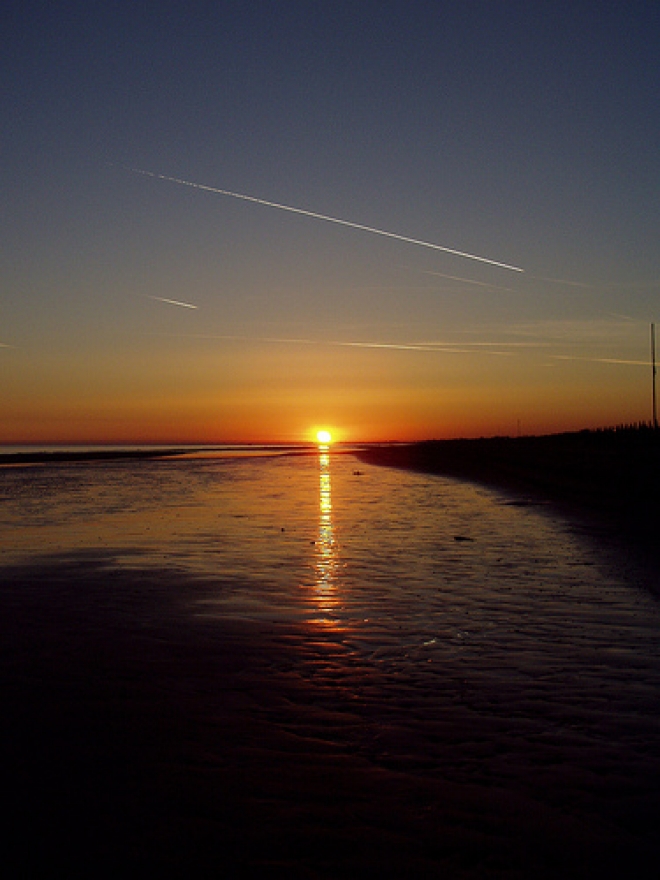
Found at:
<point>56,457</point>
<point>65,456</point>
<point>610,476</point>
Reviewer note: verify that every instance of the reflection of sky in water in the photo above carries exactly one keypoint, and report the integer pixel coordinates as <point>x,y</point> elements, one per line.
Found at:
<point>370,553</point>
<point>527,620</point>
<point>326,563</point>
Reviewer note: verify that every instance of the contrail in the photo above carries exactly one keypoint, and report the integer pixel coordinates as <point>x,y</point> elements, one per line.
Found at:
<point>315,216</point>
<point>173,302</point>
<point>562,281</point>
<point>275,340</point>
<point>433,347</point>
<point>468,280</point>
<point>568,357</point>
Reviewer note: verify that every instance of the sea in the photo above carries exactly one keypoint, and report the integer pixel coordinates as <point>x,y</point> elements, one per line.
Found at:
<point>495,641</point>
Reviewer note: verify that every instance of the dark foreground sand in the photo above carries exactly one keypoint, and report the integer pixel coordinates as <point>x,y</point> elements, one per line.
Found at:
<point>138,737</point>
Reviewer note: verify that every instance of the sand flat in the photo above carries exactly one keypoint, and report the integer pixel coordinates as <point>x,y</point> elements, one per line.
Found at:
<point>138,733</point>
<point>284,668</point>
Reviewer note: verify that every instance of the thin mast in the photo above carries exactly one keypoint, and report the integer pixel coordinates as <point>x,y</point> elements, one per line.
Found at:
<point>655,410</point>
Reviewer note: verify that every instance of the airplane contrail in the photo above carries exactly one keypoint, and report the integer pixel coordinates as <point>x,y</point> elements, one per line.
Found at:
<point>326,218</point>
<point>568,357</point>
<point>436,347</point>
<point>562,281</point>
<point>275,340</point>
<point>173,302</point>
<point>467,280</point>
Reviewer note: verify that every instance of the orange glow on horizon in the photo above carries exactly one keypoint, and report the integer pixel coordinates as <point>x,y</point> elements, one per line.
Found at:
<point>139,411</point>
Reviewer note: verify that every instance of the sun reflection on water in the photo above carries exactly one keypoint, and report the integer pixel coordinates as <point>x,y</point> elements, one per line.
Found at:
<point>326,561</point>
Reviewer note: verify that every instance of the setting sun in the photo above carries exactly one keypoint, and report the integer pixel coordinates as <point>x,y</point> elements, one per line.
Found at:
<point>324,437</point>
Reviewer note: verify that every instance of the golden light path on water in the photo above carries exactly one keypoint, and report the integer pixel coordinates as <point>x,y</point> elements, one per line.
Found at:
<point>326,596</point>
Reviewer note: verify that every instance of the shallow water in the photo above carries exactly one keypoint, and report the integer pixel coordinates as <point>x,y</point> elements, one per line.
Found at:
<point>403,567</point>
<point>472,639</point>
<point>419,575</point>
<point>326,538</point>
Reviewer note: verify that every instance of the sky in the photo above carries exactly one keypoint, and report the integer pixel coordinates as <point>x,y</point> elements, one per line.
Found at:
<point>135,307</point>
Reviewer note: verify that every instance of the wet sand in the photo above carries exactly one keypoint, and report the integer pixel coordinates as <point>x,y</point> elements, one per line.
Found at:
<point>139,735</point>
<point>611,477</point>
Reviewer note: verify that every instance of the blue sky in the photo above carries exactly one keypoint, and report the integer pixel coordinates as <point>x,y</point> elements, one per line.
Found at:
<point>523,132</point>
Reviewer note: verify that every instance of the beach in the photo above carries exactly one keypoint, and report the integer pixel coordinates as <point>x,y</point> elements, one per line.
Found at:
<point>294,699</point>
<point>610,476</point>
<point>243,748</point>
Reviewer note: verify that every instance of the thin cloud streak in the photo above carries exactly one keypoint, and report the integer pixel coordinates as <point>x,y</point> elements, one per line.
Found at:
<point>491,344</point>
<point>568,357</point>
<point>561,281</point>
<point>326,218</point>
<point>275,340</point>
<point>626,318</point>
<point>173,302</point>
<point>577,331</point>
<point>466,280</point>
<point>632,284</point>
<point>492,349</point>
<point>432,347</point>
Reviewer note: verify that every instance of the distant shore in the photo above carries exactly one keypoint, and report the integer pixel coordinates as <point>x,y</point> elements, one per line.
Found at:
<point>65,455</point>
<point>59,456</point>
<point>611,474</point>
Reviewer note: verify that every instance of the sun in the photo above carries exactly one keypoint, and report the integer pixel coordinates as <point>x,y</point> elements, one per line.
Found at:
<point>324,437</point>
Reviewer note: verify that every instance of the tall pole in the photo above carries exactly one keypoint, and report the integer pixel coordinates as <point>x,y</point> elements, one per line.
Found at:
<point>655,410</point>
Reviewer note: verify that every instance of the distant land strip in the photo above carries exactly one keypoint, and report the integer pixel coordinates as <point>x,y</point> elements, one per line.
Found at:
<point>91,455</point>
<point>56,456</point>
